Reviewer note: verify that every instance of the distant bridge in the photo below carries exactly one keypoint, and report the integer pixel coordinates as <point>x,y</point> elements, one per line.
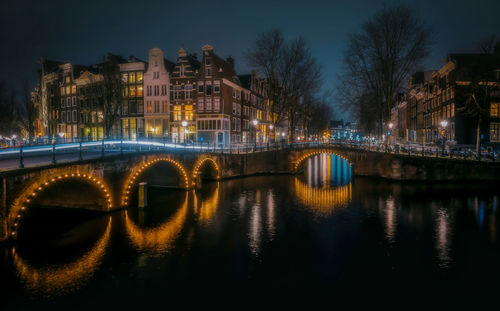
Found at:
<point>108,182</point>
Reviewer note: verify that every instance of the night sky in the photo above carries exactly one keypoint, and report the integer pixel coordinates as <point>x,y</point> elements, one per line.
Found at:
<point>84,31</point>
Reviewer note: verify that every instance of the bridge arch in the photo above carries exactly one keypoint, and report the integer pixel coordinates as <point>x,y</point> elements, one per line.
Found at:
<point>136,172</point>
<point>26,199</point>
<point>200,163</point>
<point>309,153</point>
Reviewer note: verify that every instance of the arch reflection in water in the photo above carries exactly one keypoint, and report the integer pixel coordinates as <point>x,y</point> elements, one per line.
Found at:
<point>158,240</point>
<point>62,279</point>
<point>328,185</point>
<point>206,208</point>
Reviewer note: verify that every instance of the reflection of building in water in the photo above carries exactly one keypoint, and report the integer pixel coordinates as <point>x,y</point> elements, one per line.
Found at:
<point>62,279</point>
<point>328,170</point>
<point>208,206</point>
<point>322,201</point>
<point>157,240</point>
<point>443,237</point>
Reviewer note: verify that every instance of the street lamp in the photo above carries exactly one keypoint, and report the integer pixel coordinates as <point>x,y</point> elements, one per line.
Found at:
<point>389,139</point>
<point>61,134</point>
<point>255,122</point>
<point>184,124</point>
<point>271,129</point>
<point>444,123</point>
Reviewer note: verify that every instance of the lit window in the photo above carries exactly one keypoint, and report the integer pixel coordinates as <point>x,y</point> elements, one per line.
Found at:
<point>131,77</point>
<point>139,90</point>
<point>494,111</point>
<point>149,107</point>
<point>139,77</point>
<point>494,132</point>
<point>132,90</point>
<point>125,77</point>
<point>73,89</point>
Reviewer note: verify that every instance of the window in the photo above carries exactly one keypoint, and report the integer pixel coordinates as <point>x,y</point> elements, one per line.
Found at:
<point>157,90</point>
<point>68,118</point>
<point>208,72</point>
<point>149,90</point>
<point>74,116</point>
<point>156,75</point>
<point>189,112</point>
<point>216,86</point>
<point>149,107</point>
<point>63,102</point>
<point>62,91</point>
<point>494,131</point>
<point>74,101</point>
<point>68,90</point>
<point>163,90</point>
<point>63,117</point>
<point>177,113</point>
<point>200,87</point>
<point>131,77</point>
<point>177,92</point>
<point>201,106</point>
<point>68,102</point>
<point>132,90</point>
<point>494,111</point>
<point>125,77</point>
<point>139,90</point>
<point>207,61</point>
<point>208,105</point>
<point>139,77</point>
<point>125,108</point>
<point>234,108</point>
<point>189,91</point>
<point>73,89</point>
<point>216,104</point>
<point>209,89</point>
<point>157,106</point>
<point>165,106</point>
<point>140,106</point>
<point>68,79</point>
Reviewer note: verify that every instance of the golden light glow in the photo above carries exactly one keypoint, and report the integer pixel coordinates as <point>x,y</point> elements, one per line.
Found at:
<point>135,173</point>
<point>199,164</point>
<point>38,187</point>
<point>316,152</point>
<point>209,206</point>
<point>62,279</point>
<point>157,240</point>
<point>322,201</point>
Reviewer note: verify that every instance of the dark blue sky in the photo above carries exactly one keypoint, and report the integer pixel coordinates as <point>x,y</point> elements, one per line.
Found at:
<point>84,31</point>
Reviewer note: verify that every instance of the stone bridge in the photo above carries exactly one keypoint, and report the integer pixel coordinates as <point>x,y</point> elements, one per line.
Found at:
<point>109,183</point>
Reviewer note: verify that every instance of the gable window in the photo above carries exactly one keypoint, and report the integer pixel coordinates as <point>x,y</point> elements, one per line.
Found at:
<point>216,86</point>
<point>209,89</point>
<point>208,72</point>
<point>200,87</point>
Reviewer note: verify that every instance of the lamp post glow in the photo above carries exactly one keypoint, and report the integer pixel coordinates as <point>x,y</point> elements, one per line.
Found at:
<point>444,124</point>
<point>255,122</point>
<point>184,124</point>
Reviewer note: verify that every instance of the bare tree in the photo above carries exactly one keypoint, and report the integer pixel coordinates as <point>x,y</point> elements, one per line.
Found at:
<point>479,79</point>
<point>112,87</point>
<point>292,75</point>
<point>487,44</point>
<point>26,112</point>
<point>8,104</point>
<point>379,60</point>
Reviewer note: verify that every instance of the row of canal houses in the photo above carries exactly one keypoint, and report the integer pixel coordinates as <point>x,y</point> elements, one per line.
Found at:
<point>189,100</point>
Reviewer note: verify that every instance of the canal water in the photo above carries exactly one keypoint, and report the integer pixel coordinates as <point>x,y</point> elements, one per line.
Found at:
<point>318,234</point>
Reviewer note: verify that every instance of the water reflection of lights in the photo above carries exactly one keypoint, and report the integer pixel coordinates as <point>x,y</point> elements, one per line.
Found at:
<point>255,234</point>
<point>322,201</point>
<point>270,214</point>
<point>59,280</point>
<point>390,220</point>
<point>443,237</point>
<point>157,240</point>
<point>209,206</point>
